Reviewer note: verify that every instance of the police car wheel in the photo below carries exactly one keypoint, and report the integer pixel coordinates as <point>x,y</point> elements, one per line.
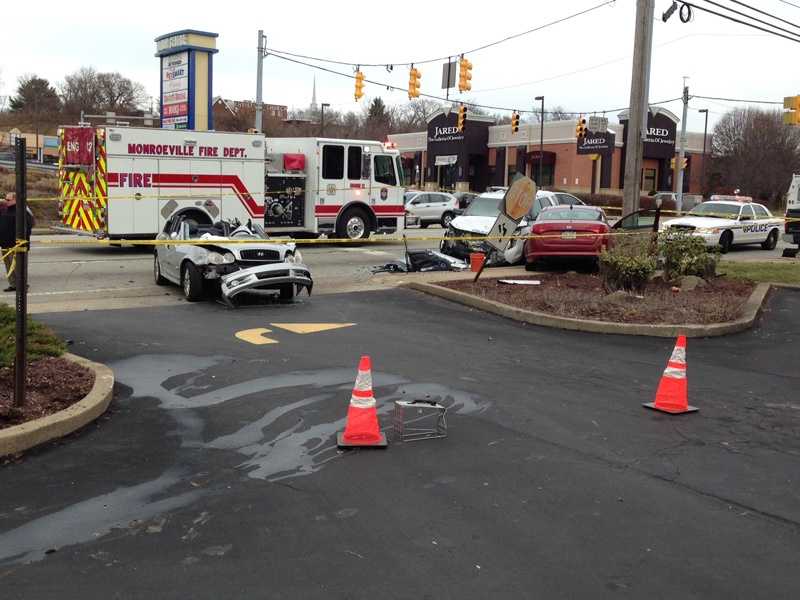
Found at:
<point>725,241</point>
<point>771,241</point>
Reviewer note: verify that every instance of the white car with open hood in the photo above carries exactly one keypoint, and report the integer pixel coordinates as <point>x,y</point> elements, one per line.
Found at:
<point>729,221</point>
<point>236,258</point>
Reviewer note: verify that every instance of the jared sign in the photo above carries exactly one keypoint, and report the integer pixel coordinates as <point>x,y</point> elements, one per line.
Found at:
<point>445,134</point>
<point>660,139</point>
<point>597,142</point>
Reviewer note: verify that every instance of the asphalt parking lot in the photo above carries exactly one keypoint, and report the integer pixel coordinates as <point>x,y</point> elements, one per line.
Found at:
<point>215,474</point>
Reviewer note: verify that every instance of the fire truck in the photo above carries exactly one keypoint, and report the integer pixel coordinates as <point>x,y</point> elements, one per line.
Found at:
<point>125,182</point>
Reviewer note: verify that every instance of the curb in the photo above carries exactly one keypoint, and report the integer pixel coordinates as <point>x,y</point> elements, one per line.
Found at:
<point>751,309</point>
<point>27,435</point>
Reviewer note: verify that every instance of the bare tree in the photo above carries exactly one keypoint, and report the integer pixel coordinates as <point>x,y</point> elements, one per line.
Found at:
<point>90,91</point>
<point>554,113</point>
<point>755,152</point>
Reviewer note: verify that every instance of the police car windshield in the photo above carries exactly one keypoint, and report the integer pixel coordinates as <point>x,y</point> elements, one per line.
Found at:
<point>484,206</point>
<point>715,209</point>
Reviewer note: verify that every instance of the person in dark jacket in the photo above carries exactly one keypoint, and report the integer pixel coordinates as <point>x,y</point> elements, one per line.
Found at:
<point>8,233</point>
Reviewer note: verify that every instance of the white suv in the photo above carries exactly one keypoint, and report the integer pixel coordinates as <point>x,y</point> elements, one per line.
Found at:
<point>426,208</point>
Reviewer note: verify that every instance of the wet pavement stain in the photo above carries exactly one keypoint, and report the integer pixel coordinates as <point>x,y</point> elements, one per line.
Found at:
<point>286,441</point>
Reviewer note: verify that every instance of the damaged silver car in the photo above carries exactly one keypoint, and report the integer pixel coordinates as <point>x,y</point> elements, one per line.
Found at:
<point>222,256</point>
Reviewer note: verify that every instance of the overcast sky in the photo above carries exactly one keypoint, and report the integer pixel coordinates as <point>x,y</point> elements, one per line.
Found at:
<point>720,58</point>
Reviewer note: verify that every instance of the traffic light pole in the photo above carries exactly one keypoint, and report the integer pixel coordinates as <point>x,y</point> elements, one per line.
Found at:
<point>638,106</point>
<point>682,150</point>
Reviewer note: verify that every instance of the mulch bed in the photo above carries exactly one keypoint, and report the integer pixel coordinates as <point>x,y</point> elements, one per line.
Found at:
<point>582,296</point>
<point>53,384</point>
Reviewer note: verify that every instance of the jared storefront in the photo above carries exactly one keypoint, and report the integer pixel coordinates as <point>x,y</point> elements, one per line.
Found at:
<point>484,154</point>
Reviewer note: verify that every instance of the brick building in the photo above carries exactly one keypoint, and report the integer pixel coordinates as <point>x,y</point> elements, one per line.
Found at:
<point>485,154</point>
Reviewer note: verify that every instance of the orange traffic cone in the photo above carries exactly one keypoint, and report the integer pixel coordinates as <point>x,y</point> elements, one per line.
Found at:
<point>672,394</point>
<point>362,429</point>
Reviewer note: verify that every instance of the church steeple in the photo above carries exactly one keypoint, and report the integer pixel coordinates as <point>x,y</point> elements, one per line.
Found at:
<point>314,108</point>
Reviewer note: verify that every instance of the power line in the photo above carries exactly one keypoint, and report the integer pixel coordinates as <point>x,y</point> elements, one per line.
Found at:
<point>391,87</point>
<point>746,24</point>
<point>448,57</point>
<point>737,100</point>
<point>756,19</point>
<point>758,10</point>
<point>789,3</point>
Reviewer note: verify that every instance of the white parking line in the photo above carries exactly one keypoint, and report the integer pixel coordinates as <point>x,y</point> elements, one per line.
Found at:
<point>90,291</point>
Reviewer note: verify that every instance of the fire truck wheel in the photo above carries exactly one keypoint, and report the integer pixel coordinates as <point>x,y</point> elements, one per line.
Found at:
<point>353,225</point>
<point>191,282</point>
<point>157,271</point>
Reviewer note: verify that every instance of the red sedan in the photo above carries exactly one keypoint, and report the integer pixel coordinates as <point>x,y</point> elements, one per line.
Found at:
<point>566,231</point>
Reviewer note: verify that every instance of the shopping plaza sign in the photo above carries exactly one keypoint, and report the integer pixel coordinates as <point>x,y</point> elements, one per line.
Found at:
<point>597,142</point>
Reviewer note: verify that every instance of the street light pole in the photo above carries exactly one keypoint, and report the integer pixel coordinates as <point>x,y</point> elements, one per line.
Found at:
<point>323,106</point>
<point>705,135</point>
<point>541,140</point>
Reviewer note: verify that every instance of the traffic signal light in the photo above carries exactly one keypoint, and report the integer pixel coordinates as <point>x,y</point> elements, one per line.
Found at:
<point>673,162</point>
<point>462,117</point>
<point>413,83</point>
<point>792,105</point>
<point>514,122</point>
<point>464,75</point>
<point>359,85</point>
<point>580,128</point>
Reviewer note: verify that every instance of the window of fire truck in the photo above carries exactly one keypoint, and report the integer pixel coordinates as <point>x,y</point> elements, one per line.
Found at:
<point>354,162</point>
<point>332,162</point>
<point>384,170</point>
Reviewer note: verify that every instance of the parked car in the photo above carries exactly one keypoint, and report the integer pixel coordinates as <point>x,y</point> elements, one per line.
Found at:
<point>225,257</point>
<point>568,199</point>
<point>567,231</point>
<point>477,220</point>
<point>725,223</point>
<point>426,208</point>
<point>464,198</point>
<point>689,201</point>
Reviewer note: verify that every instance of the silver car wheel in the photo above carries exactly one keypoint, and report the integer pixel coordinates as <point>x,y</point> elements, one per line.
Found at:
<point>355,227</point>
<point>187,283</point>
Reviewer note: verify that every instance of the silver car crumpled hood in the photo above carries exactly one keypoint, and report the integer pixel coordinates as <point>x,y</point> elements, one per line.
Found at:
<point>266,277</point>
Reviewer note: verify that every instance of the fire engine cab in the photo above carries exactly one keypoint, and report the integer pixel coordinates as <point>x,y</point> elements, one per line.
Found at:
<point>125,182</point>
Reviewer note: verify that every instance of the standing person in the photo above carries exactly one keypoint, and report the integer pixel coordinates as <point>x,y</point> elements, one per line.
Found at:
<point>8,234</point>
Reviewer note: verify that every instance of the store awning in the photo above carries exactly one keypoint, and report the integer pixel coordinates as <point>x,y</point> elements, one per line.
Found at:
<point>450,159</point>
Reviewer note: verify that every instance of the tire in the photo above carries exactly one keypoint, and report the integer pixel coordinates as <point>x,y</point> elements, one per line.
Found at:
<point>772,240</point>
<point>192,282</point>
<point>725,242</point>
<point>157,271</point>
<point>286,292</point>
<point>446,218</point>
<point>530,266</point>
<point>354,225</point>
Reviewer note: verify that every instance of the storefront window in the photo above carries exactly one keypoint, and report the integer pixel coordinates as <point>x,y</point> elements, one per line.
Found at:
<point>649,180</point>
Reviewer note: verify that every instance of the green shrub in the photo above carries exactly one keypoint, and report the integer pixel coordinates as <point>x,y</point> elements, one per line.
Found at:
<point>627,264</point>
<point>685,254</point>
<point>41,340</point>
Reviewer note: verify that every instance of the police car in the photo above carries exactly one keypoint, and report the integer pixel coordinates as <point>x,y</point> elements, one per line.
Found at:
<point>726,221</point>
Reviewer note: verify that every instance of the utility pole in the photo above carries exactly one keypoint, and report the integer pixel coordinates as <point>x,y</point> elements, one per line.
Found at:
<point>541,141</point>
<point>705,136</point>
<point>682,150</point>
<point>21,273</point>
<point>638,106</point>
<point>262,42</point>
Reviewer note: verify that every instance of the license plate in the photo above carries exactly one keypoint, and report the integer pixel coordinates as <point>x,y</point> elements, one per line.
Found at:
<point>568,235</point>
